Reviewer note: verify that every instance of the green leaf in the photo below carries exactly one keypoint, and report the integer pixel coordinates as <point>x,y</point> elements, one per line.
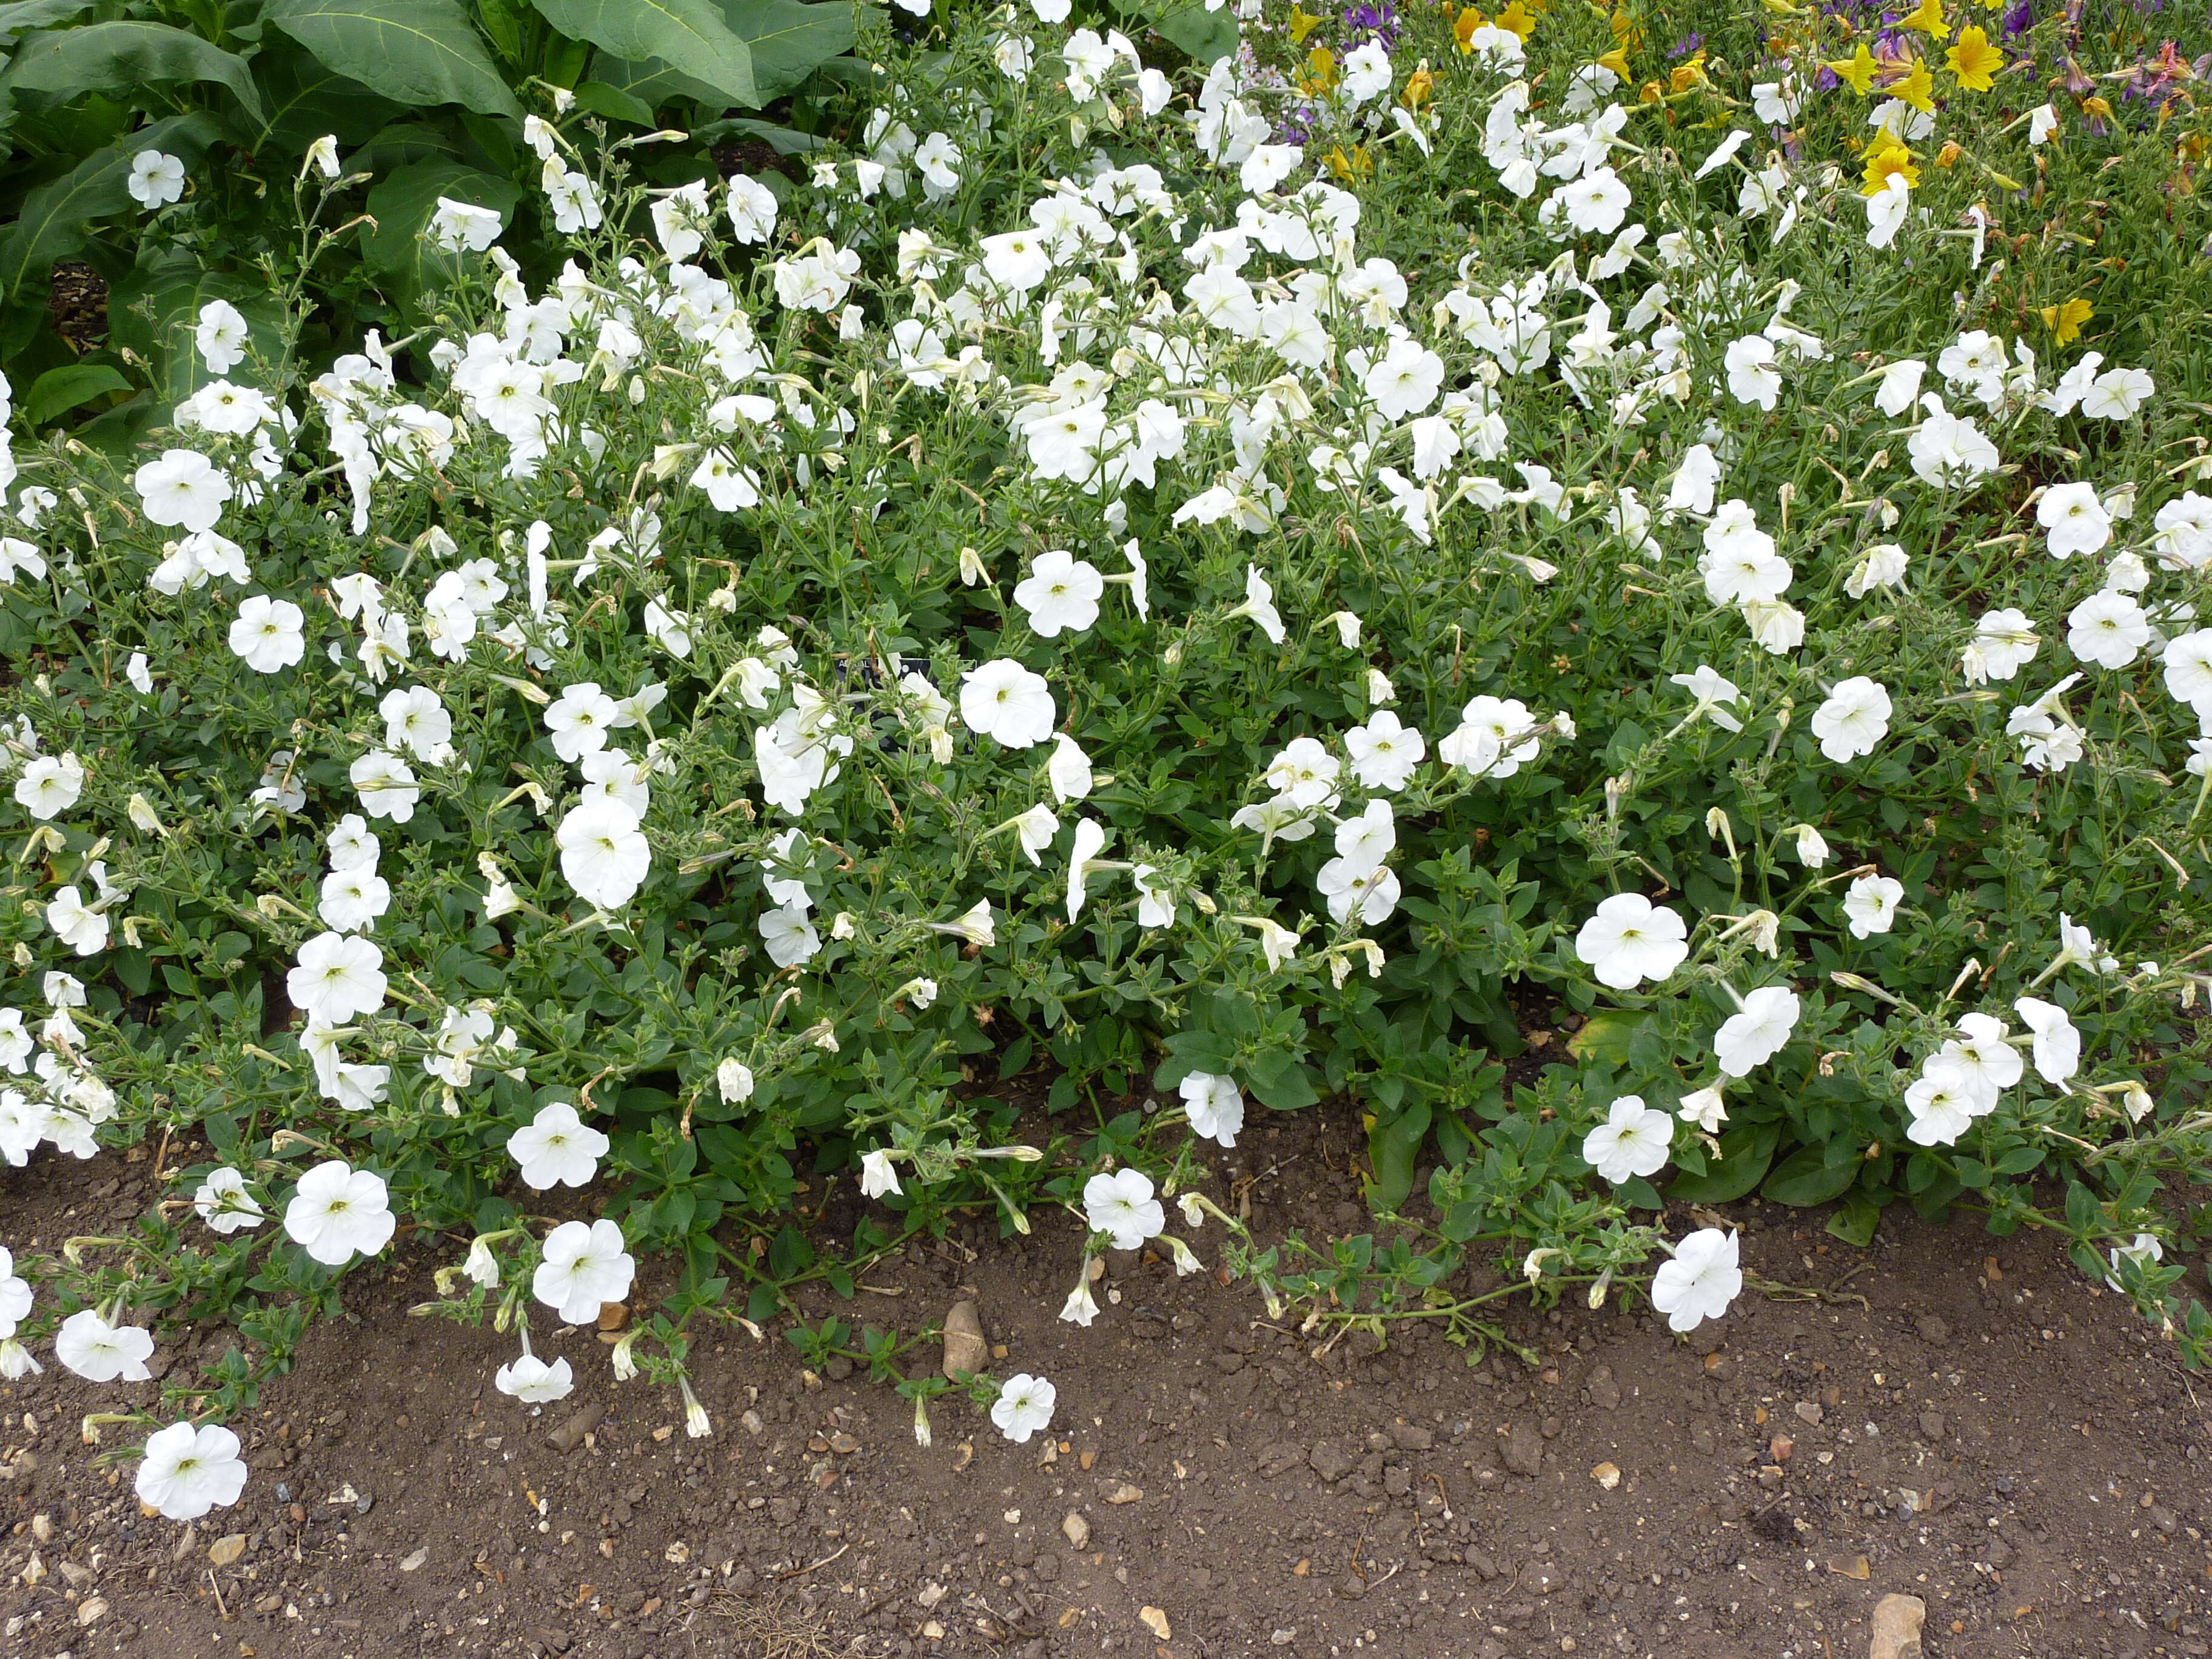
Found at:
<point>1746,1152</point>
<point>690,34</point>
<point>402,205</point>
<point>597,98</point>
<point>55,218</point>
<point>1807,1177</point>
<point>1203,35</point>
<point>37,14</point>
<point>1392,1146</point>
<point>118,56</point>
<point>1855,1220</point>
<point>72,386</point>
<point>1605,1037</point>
<point>305,98</point>
<point>414,51</point>
<point>788,39</point>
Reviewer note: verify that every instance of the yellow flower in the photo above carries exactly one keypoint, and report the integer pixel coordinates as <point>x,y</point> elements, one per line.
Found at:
<point>1302,23</point>
<point>1887,158</point>
<point>1464,26</point>
<point>2065,321</point>
<point>1917,90</point>
<point>1974,60</point>
<point>1856,71</point>
<point>1321,72</point>
<point>1650,92</point>
<point>1357,165</point>
<point>1418,87</point>
<point>2097,107</point>
<point>1625,29</point>
<point>1929,19</point>
<point>1948,157</point>
<point>1617,61</point>
<point>1688,74</point>
<point>1517,18</point>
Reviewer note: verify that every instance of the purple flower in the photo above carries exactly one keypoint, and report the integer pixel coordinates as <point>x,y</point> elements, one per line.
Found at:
<point>1686,45</point>
<point>2020,20</point>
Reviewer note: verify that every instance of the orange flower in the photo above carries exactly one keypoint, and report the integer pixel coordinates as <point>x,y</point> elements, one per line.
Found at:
<point>1974,60</point>
<point>1688,74</point>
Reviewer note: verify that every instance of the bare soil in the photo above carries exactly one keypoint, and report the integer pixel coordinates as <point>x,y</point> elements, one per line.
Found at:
<point>1955,1418</point>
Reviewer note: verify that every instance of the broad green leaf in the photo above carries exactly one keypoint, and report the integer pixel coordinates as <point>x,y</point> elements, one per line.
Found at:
<point>788,39</point>
<point>1807,1177</point>
<point>58,391</point>
<point>1204,35</point>
<point>783,141</point>
<point>122,57</point>
<point>305,97</point>
<point>415,51</point>
<point>57,216</point>
<point>1606,1036</point>
<point>37,14</point>
<point>402,205</point>
<point>599,99</point>
<point>1855,1220</point>
<point>689,33</point>
<point>1745,1151</point>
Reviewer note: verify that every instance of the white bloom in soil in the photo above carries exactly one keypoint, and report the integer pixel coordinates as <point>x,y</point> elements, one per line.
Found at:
<point>1215,1106</point>
<point>1068,769</point>
<point>1633,1140</point>
<point>1981,1052</point>
<point>338,1213</point>
<point>1006,702</point>
<point>338,977</point>
<point>1061,591</point>
<point>50,784</point>
<point>1706,1109</point>
<point>2075,519</point>
<point>2188,661</point>
<point>603,854</point>
<point>1870,904</point>
<point>155,179</point>
<point>352,900</point>
<point>2057,1050</point>
<point>1749,1039</point>
<point>100,1352</point>
<point>1631,940</point>
<point>1944,1102</point>
<point>1121,1205</point>
<point>2108,628</point>
<point>187,1471</point>
<point>877,1175</point>
<point>1024,1407</point>
<point>580,720</point>
<point>463,225</point>
<point>752,209</point>
<point>221,335</point>
<point>1700,1280</point>
<point>15,1295</point>
<point>182,489</point>
<point>584,1267</point>
<point>268,634</point>
<point>534,1382</point>
<point>224,1203</point>
<point>1854,718</point>
<point>1384,752</point>
<point>557,1148</point>
<point>75,923</point>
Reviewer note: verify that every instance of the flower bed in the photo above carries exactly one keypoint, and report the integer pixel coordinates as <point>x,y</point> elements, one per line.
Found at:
<point>1410,550</point>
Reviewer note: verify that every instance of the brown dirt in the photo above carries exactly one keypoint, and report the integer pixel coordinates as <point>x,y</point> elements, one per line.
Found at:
<point>1985,1430</point>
